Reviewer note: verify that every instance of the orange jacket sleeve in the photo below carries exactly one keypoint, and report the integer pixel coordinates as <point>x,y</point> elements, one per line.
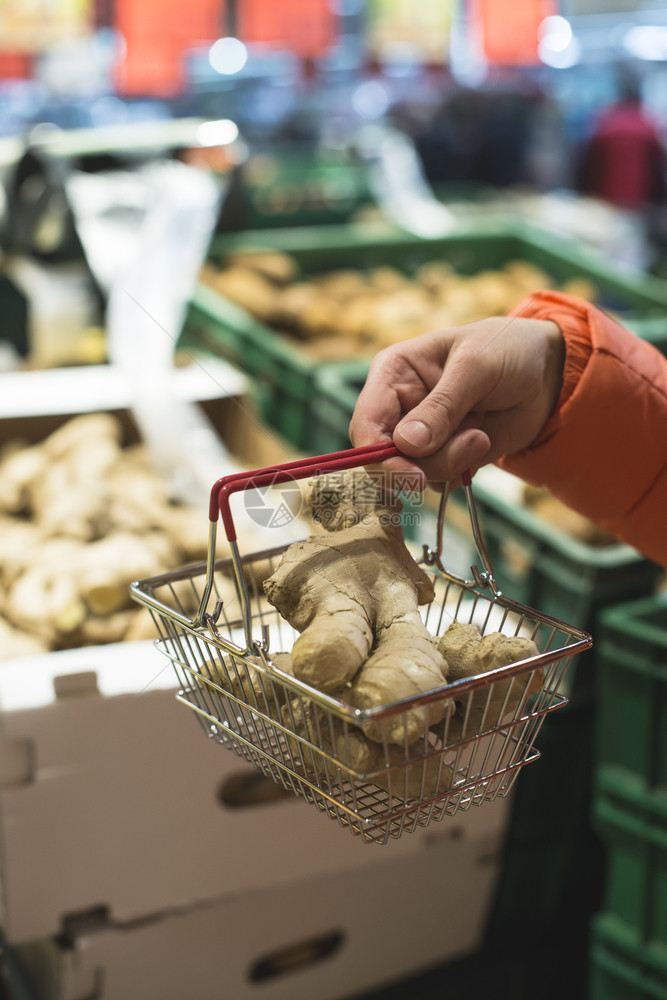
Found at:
<point>604,450</point>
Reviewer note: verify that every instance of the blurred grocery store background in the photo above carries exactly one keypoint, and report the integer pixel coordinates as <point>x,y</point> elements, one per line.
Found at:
<point>212,215</point>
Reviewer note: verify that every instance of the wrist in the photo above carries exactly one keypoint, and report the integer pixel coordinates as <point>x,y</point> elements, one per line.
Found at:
<point>555,365</point>
<point>571,315</point>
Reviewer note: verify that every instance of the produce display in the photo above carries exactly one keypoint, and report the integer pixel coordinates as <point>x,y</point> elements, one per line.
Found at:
<point>81,517</point>
<point>349,312</point>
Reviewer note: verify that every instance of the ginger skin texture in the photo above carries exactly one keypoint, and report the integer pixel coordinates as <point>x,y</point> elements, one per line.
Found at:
<point>468,653</point>
<point>355,591</point>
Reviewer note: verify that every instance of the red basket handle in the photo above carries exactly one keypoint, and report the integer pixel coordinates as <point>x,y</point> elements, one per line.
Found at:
<point>299,469</point>
<point>219,505</point>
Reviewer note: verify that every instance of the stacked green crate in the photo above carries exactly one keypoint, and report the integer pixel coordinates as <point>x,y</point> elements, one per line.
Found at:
<point>285,375</point>
<point>337,389</point>
<point>542,566</point>
<point>282,186</point>
<point>619,972</point>
<point>632,692</point>
<point>630,803</point>
<point>553,873</point>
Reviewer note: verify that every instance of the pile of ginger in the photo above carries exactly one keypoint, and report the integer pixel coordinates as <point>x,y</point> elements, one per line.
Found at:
<point>350,312</point>
<point>82,517</point>
<point>353,593</point>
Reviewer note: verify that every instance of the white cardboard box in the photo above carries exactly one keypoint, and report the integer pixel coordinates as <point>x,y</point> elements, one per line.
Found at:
<point>325,936</point>
<point>109,797</point>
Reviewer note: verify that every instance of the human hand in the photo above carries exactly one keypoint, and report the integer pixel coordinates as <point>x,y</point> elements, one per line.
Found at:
<point>456,399</point>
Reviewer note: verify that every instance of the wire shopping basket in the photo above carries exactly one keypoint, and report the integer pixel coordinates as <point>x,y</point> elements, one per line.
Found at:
<point>317,745</point>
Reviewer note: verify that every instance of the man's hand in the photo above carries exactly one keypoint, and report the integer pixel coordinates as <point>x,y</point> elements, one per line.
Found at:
<point>456,399</point>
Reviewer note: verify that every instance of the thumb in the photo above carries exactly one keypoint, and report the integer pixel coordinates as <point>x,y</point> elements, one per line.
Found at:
<point>430,424</point>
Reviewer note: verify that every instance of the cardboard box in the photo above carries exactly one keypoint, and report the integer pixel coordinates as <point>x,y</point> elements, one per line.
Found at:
<point>328,936</point>
<point>35,403</point>
<point>110,796</point>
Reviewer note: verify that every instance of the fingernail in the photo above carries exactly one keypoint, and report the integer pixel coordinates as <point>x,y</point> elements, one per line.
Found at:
<point>416,433</point>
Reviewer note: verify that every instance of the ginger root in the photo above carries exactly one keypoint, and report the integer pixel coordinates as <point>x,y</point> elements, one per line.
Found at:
<point>402,666</point>
<point>354,591</point>
<point>468,654</point>
<point>251,686</point>
<point>358,756</point>
<point>15,642</point>
<point>417,780</point>
<point>347,747</point>
<point>80,519</point>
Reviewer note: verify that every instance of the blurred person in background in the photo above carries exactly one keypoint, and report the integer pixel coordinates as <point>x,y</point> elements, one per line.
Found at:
<point>624,160</point>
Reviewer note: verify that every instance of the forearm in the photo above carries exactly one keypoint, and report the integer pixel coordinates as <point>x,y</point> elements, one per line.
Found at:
<point>604,450</point>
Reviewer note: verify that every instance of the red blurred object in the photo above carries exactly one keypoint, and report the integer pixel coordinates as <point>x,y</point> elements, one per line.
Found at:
<point>625,162</point>
<point>157,35</point>
<point>305,27</point>
<point>508,30</point>
<point>15,66</point>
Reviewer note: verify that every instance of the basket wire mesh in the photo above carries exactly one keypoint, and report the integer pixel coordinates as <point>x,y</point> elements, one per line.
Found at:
<point>315,744</point>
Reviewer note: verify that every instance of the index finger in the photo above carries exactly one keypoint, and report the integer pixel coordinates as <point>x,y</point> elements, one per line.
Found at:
<point>391,389</point>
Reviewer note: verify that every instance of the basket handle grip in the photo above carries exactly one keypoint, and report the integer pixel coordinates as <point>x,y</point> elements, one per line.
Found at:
<point>299,469</point>
<point>338,461</point>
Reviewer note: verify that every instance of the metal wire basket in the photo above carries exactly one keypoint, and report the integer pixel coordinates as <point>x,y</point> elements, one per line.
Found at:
<point>317,745</point>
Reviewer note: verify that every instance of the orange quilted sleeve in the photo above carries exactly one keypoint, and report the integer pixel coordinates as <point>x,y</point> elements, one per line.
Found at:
<point>604,450</point>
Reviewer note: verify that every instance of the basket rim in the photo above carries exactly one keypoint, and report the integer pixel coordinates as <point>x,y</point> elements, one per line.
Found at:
<point>582,640</point>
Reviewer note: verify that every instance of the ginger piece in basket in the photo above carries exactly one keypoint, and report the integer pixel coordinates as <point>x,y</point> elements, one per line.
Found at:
<point>423,779</point>
<point>402,666</point>
<point>336,745</point>
<point>258,690</point>
<point>355,590</point>
<point>468,654</point>
<point>335,751</point>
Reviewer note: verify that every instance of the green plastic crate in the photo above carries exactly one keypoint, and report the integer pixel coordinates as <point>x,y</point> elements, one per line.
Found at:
<point>338,389</point>
<point>622,970</point>
<point>542,566</point>
<point>472,248</point>
<point>653,329</point>
<point>279,187</point>
<point>283,377</point>
<point>631,727</point>
<point>551,879</point>
<point>285,374</point>
<point>632,825</point>
<point>637,299</point>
